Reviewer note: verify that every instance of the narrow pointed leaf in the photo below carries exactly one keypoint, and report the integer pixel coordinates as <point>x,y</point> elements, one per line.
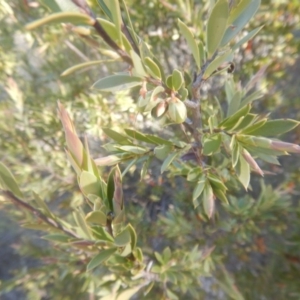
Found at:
<point>185,31</point>
<point>139,69</point>
<point>105,9</point>
<point>243,172</point>
<point>213,66</point>
<point>128,293</point>
<point>167,162</point>
<point>117,83</point>
<point>116,17</point>
<point>100,258</point>
<point>97,217</point>
<point>177,80</point>
<point>123,238</point>
<point>7,181</point>
<point>116,136</point>
<point>275,127</point>
<point>198,191</point>
<point>85,65</point>
<point>246,38</point>
<point>208,200</point>
<point>238,24</point>
<point>216,26</point>
<point>152,68</point>
<point>62,17</point>
<point>132,236</point>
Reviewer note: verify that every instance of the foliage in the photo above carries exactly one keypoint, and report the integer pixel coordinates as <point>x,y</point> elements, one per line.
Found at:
<point>192,156</point>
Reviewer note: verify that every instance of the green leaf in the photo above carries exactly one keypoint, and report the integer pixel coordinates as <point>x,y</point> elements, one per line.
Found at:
<point>7,181</point>
<point>133,236</point>
<point>152,68</point>
<point>101,234</point>
<point>237,10</point>
<point>220,195</point>
<point>192,45</point>
<point>253,127</point>
<point>128,293</point>
<point>123,238</point>
<point>213,66</point>
<point>246,38</point>
<point>138,254</point>
<point>117,83</point>
<point>41,204</point>
<point>105,9</point>
<point>52,5</point>
<point>274,127</point>
<point>116,136</point>
<point>235,154</point>
<point>161,68</point>
<point>208,200</point>
<point>62,17</point>
<point>177,80</point>
<point>114,8</point>
<point>194,174</point>
<point>133,149</point>
<point>216,182</point>
<point>216,26</point>
<point>231,121</point>
<point>80,221</point>
<point>138,136</point>
<point>61,238</point>
<point>243,170</point>
<point>198,191</point>
<point>211,144</point>
<point>100,258</point>
<point>138,69</point>
<point>97,217</point>
<point>162,151</point>
<point>89,184</point>
<point>234,104</point>
<point>247,121</point>
<point>67,6</point>
<point>159,258</point>
<point>252,97</point>
<point>83,66</point>
<point>168,161</point>
<point>167,254</point>
<point>240,21</point>
<point>158,140</point>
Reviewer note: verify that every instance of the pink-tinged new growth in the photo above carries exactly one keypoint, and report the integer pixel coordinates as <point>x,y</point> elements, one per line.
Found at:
<point>283,146</point>
<point>118,193</point>
<point>109,160</point>
<point>73,142</point>
<point>253,164</point>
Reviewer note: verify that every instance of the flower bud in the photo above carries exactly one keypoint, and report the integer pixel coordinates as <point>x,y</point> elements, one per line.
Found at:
<point>177,110</point>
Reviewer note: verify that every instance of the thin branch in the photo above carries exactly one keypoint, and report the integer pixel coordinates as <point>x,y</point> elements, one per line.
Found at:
<point>107,39</point>
<point>39,214</point>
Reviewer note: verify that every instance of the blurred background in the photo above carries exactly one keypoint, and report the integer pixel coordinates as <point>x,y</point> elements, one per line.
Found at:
<point>263,255</point>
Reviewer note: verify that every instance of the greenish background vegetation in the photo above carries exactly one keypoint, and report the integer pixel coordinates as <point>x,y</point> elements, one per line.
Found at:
<point>256,238</point>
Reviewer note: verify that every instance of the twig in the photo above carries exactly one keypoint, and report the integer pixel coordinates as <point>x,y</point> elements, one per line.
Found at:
<point>77,51</point>
<point>39,214</point>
